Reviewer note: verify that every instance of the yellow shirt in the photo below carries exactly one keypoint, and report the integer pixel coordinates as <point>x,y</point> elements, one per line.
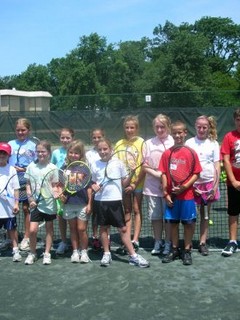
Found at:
<point>135,148</point>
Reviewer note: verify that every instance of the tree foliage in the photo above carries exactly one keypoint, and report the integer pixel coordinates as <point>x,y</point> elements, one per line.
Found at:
<point>196,58</point>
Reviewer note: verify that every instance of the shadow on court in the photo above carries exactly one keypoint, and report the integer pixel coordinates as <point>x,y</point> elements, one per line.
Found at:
<point>209,289</point>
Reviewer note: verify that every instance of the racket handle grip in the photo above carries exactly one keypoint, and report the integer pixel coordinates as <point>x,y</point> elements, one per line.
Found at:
<point>205,210</point>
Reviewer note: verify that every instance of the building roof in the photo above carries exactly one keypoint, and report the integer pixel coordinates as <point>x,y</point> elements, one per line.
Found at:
<point>20,93</point>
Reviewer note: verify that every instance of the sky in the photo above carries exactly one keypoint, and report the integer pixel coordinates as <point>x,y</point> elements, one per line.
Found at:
<point>39,31</point>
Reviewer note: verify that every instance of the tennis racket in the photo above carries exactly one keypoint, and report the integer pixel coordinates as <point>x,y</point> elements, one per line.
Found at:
<point>52,186</point>
<point>18,179</point>
<point>131,154</point>
<point>78,176</point>
<point>205,190</point>
<point>181,166</point>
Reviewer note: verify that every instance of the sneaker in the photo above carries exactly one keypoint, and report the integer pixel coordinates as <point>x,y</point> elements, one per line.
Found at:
<point>167,248</point>
<point>96,244</point>
<point>122,250</point>
<point>47,258</point>
<point>158,245</point>
<point>6,244</point>
<point>24,245</point>
<point>138,261</point>
<point>16,256</point>
<point>31,258</point>
<point>62,248</point>
<point>75,258</point>
<point>106,260</point>
<point>203,249</point>
<point>187,258</point>
<point>135,245</point>
<point>174,254</point>
<point>84,257</point>
<point>230,248</point>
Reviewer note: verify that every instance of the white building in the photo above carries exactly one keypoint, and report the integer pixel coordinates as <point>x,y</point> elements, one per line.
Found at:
<point>16,100</point>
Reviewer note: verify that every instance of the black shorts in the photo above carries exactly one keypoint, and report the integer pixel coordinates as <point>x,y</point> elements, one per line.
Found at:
<point>38,216</point>
<point>109,213</point>
<point>233,201</point>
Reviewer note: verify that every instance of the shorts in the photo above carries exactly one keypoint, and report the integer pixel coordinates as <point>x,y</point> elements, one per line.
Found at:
<point>94,218</point>
<point>25,201</point>
<point>233,201</point>
<point>72,211</point>
<point>8,223</point>
<point>138,190</point>
<point>109,213</point>
<point>204,187</point>
<point>38,216</point>
<point>183,210</point>
<point>156,207</point>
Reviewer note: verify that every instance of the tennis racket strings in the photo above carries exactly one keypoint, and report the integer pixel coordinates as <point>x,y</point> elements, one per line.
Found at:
<point>78,176</point>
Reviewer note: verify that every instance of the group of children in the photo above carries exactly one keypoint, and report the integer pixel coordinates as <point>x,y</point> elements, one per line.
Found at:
<point>115,202</point>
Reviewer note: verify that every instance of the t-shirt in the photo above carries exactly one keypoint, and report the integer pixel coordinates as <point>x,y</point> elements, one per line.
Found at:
<point>164,167</point>
<point>152,185</point>
<point>38,172</point>
<point>19,148</point>
<point>7,202</point>
<point>231,146</point>
<point>112,190</point>
<point>208,152</point>
<point>92,156</point>
<point>59,156</point>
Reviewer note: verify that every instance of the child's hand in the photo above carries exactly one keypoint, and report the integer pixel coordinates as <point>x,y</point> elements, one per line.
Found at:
<point>179,189</point>
<point>32,204</point>
<point>19,169</point>
<point>129,189</point>
<point>169,200</point>
<point>96,187</point>
<point>88,209</point>
<point>63,198</point>
<point>15,209</point>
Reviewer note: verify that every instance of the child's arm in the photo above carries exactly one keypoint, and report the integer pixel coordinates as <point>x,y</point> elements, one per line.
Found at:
<point>31,200</point>
<point>89,204</point>
<point>228,167</point>
<point>16,202</point>
<point>166,195</point>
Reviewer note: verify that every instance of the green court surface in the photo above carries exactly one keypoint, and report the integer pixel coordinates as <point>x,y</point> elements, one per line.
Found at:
<point>209,289</point>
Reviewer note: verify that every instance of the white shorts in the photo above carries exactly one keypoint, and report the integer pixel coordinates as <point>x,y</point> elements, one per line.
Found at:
<point>156,207</point>
<point>72,211</point>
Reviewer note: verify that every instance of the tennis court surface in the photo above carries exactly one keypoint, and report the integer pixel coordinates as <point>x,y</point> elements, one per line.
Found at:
<point>209,289</point>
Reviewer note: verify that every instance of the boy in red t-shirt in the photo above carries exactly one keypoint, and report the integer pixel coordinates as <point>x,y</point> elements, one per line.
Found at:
<point>182,208</point>
<point>230,151</point>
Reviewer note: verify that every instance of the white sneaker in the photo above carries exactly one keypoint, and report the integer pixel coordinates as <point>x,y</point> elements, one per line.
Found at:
<point>16,256</point>
<point>24,245</point>
<point>138,261</point>
<point>106,260</point>
<point>62,248</point>
<point>84,257</point>
<point>75,257</point>
<point>47,258</point>
<point>31,258</point>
